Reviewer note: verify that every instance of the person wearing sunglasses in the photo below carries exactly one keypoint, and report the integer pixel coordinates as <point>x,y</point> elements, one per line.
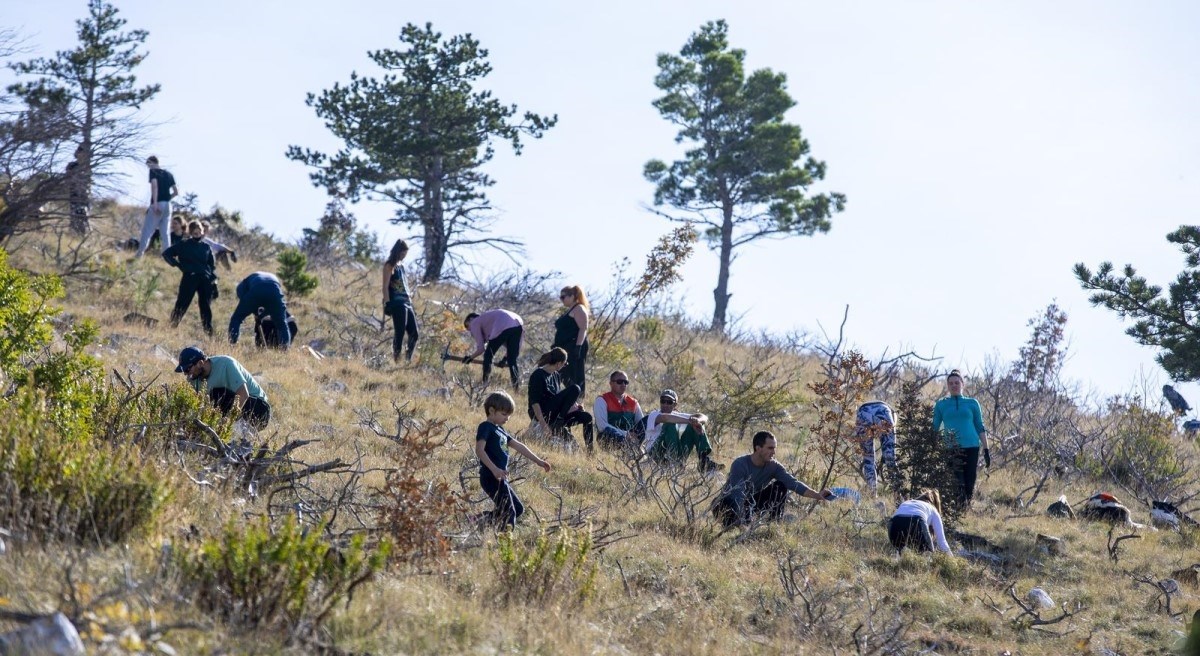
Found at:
<point>616,412</point>
<point>571,334</point>
<point>229,385</point>
<point>666,444</point>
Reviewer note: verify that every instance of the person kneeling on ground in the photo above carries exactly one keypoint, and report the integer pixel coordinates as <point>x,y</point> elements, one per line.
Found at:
<point>663,441</point>
<point>492,443</point>
<point>553,406</point>
<point>758,486</point>
<point>228,384</point>
<point>615,412</point>
<point>266,332</point>
<point>914,519</point>
<point>491,330</point>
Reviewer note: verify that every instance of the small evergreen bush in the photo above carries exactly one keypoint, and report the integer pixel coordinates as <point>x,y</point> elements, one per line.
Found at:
<point>293,274</point>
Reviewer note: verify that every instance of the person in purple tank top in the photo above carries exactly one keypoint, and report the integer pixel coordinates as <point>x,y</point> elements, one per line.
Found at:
<point>491,330</point>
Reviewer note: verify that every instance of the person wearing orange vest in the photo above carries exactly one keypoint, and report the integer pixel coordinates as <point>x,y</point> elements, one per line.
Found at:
<point>615,412</point>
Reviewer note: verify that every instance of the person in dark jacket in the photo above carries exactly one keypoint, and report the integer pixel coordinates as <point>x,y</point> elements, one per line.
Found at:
<point>571,334</point>
<point>195,260</point>
<point>553,407</point>
<point>259,290</point>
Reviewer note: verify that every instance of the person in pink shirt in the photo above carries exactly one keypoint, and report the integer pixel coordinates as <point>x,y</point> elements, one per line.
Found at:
<point>491,330</point>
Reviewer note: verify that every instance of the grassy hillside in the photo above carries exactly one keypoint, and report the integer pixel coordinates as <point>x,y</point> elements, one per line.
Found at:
<point>638,569</point>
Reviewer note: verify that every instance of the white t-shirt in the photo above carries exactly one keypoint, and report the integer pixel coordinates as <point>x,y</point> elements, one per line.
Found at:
<point>654,429</point>
<point>926,511</point>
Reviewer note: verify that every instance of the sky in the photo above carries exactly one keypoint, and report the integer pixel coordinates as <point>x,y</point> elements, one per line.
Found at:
<point>984,147</point>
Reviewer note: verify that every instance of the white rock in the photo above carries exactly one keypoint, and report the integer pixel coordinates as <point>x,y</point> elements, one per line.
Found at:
<point>1039,597</point>
<point>52,636</point>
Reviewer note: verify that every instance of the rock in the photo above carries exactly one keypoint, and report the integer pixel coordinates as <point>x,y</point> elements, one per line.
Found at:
<point>53,636</point>
<point>1051,544</point>
<point>336,386</point>
<point>139,319</point>
<point>163,354</point>
<point>318,344</point>
<point>1038,597</point>
<point>981,557</point>
<point>1188,575</point>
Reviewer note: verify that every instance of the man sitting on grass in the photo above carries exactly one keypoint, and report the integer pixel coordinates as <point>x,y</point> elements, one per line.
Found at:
<point>665,444</point>
<point>757,487</point>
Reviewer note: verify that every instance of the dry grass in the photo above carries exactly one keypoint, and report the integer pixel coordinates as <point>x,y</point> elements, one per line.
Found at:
<point>658,591</point>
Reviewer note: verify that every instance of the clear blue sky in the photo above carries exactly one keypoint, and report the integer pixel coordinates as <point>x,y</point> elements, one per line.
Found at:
<point>985,147</point>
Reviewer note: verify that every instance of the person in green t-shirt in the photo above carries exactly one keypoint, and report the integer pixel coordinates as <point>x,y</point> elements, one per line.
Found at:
<point>663,440</point>
<point>227,383</point>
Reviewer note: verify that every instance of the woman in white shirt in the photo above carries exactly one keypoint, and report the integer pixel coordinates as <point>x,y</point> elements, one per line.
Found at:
<point>915,519</point>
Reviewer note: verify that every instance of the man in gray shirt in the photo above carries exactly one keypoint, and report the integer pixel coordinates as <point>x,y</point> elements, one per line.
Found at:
<point>758,486</point>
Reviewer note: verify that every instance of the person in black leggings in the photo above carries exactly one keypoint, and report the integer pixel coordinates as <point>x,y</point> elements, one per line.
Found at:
<point>571,334</point>
<point>554,407</point>
<point>397,303</point>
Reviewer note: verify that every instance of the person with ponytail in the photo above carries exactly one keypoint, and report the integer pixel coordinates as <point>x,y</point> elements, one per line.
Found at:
<point>571,334</point>
<point>913,521</point>
<point>397,303</point>
<point>961,419</point>
<point>552,405</point>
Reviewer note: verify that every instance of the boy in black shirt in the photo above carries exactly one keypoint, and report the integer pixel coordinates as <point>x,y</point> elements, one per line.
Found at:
<point>491,446</point>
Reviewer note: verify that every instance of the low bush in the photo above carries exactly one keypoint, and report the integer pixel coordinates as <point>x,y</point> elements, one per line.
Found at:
<point>257,576</point>
<point>548,569</point>
<point>58,485</point>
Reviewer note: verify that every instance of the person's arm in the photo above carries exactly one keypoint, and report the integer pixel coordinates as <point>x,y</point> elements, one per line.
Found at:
<point>790,482</point>
<point>937,417</point>
<point>239,315</point>
<point>672,418</point>
<point>539,417</point>
<point>977,417</point>
<point>939,531</point>
<point>387,287</point>
<point>735,488</point>
<point>481,453</point>
<point>600,416</point>
<point>216,246</point>
<point>243,395</point>
<point>153,192</point>
<point>171,255</point>
<point>174,189</point>
<point>638,415</point>
<point>210,262</point>
<point>580,314</point>
<point>476,331</point>
<point>520,447</point>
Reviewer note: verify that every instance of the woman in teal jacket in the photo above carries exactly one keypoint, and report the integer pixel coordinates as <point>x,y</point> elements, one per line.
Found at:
<point>961,417</point>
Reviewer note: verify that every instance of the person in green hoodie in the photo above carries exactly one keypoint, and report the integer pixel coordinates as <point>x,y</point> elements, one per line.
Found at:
<point>195,260</point>
<point>960,418</point>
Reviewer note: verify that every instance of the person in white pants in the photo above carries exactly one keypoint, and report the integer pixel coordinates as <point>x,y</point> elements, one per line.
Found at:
<point>158,214</point>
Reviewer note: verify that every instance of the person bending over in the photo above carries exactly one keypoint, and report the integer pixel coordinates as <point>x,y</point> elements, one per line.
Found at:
<point>259,290</point>
<point>758,486</point>
<point>492,443</point>
<point>491,330</point>
<point>913,521</point>
<point>553,407</point>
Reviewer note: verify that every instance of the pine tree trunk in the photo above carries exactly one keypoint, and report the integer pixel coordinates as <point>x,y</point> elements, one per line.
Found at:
<point>435,229</point>
<point>721,293</point>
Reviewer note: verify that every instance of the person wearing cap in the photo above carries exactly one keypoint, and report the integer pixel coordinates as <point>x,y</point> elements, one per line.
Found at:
<point>616,412</point>
<point>758,486</point>
<point>259,290</point>
<point>195,261</point>
<point>228,384</point>
<point>491,330</point>
<point>665,443</point>
<point>158,214</point>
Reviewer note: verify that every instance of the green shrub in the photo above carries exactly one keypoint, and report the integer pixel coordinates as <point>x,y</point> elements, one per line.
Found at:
<point>293,274</point>
<point>156,415</point>
<point>60,485</point>
<point>25,314</point>
<point>253,576</point>
<point>547,569</point>
<point>925,458</point>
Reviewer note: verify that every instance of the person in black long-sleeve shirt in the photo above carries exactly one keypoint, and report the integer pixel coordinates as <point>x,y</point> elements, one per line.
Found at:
<point>195,260</point>
<point>555,408</point>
